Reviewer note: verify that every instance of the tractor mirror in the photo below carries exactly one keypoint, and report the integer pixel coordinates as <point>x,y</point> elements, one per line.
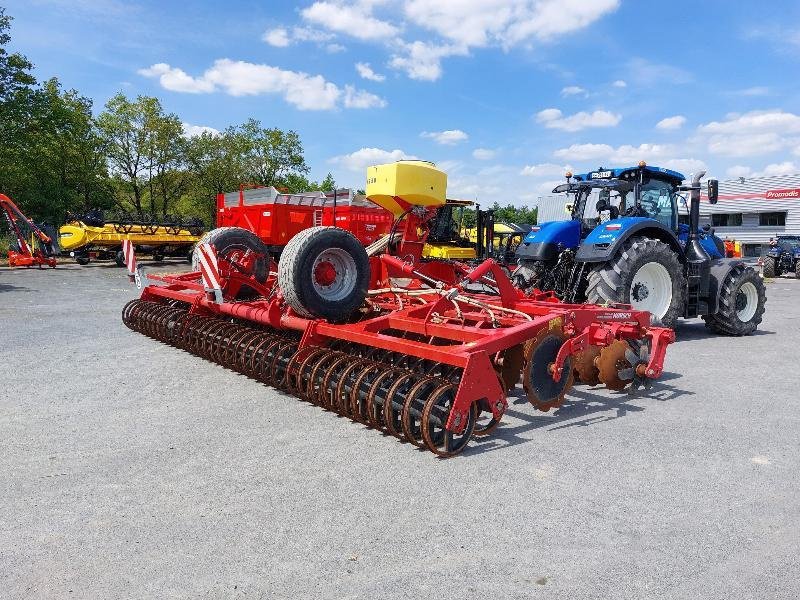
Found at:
<point>713,191</point>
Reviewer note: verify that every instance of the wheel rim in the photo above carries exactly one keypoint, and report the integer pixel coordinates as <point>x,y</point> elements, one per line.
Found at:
<point>746,301</point>
<point>651,289</point>
<point>334,274</point>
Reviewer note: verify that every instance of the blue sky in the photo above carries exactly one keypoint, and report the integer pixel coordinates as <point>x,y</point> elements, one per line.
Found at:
<point>502,94</point>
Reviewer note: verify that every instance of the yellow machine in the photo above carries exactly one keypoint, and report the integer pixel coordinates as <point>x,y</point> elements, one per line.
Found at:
<point>104,240</point>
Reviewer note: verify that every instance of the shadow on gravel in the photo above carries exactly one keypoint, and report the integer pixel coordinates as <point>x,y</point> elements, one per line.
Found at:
<point>7,287</point>
<point>698,331</point>
<point>581,409</point>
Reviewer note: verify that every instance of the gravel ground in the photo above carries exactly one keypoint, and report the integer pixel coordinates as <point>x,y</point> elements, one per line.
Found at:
<point>129,469</point>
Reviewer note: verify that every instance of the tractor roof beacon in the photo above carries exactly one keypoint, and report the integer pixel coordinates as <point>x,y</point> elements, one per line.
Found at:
<point>633,250</point>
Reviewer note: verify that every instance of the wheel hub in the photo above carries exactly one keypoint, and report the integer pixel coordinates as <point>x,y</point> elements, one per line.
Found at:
<point>325,273</point>
<point>640,292</point>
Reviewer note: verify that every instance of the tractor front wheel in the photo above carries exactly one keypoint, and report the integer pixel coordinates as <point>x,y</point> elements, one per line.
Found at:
<point>769,266</point>
<point>741,303</point>
<point>646,274</point>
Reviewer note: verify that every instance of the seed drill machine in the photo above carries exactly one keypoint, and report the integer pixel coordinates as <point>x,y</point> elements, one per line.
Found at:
<point>424,350</point>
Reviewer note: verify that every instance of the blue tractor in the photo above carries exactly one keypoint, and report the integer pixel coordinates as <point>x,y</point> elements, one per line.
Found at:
<point>783,257</point>
<point>631,249</point>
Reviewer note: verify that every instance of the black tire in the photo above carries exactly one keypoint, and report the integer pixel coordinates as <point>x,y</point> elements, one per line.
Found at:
<point>158,257</point>
<point>769,266</point>
<point>797,270</point>
<point>298,273</point>
<point>82,260</point>
<point>612,281</point>
<point>230,239</point>
<point>119,258</point>
<point>727,320</point>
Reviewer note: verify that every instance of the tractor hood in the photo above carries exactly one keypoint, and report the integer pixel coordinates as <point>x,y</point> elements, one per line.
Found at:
<point>546,240</point>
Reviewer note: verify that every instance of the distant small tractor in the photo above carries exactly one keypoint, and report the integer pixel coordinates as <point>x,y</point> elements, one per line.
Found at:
<point>783,257</point>
<point>635,252</point>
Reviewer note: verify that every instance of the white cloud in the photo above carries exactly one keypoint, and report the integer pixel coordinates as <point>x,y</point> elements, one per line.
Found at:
<point>278,37</point>
<point>552,118</point>
<point>545,170</point>
<point>573,90</point>
<point>239,78</point>
<point>190,131</point>
<point>684,165</point>
<point>334,48</point>
<point>423,61</point>
<point>675,122</point>
<point>177,80</point>
<point>365,157</point>
<point>771,170</point>
<point>367,73</point>
<point>354,98</point>
<point>281,37</point>
<point>308,34</point>
<point>739,171</point>
<point>784,168</point>
<point>355,20</point>
<point>446,138</point>
<point>619,83</point>
<point>505,22</point>
<point>483,154</point>
<point>625,154</point>
<point>462,24</point>
<point>752,134</point>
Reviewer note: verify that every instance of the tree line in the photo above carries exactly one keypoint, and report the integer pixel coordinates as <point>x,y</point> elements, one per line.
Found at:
<point>56,156</point>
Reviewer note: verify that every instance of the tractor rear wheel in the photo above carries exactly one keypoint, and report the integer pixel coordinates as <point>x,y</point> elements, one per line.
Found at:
<point>741,303</point>
<point>324,272</point>
<point>769,266</point>
<point>119,258</point>
<point>646,274</point>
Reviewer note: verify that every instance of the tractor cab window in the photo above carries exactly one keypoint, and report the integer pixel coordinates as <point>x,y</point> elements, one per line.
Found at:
<point>657,200</point>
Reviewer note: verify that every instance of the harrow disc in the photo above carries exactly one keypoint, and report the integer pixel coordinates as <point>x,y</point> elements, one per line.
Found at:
<point>613,368</point>
<point>509,364</point>
<point>585,369</point>
<point>542,390</point>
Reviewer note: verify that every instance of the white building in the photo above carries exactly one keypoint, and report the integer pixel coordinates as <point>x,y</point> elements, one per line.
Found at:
<point>754,209</point>
<point>750,210</point>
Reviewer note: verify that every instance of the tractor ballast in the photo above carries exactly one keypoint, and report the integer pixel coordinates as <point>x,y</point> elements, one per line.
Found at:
<point>426,351</point>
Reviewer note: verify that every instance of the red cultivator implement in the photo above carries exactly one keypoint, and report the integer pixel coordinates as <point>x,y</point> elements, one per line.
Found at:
<point>31,246</point>
<point>424,351</point>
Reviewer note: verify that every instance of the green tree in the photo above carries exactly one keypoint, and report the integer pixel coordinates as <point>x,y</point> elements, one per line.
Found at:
<point>145,150</point>
<point>270,154</point>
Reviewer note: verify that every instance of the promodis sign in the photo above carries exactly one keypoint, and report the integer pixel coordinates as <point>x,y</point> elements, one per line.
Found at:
<point>779,194</point>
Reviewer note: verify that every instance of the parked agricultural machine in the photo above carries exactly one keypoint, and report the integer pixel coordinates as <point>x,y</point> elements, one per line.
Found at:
<point>276,217</point>
<point>379,335</point>
<point>30,246</point>
<point>95,236</point>
<point>783,257</point>
<point>635,252</point>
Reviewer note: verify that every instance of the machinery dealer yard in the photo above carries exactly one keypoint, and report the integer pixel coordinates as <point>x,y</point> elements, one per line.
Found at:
<point>133,469</point>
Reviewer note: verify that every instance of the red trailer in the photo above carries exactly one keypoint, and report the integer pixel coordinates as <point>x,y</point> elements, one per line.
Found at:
<point>277,217</point>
